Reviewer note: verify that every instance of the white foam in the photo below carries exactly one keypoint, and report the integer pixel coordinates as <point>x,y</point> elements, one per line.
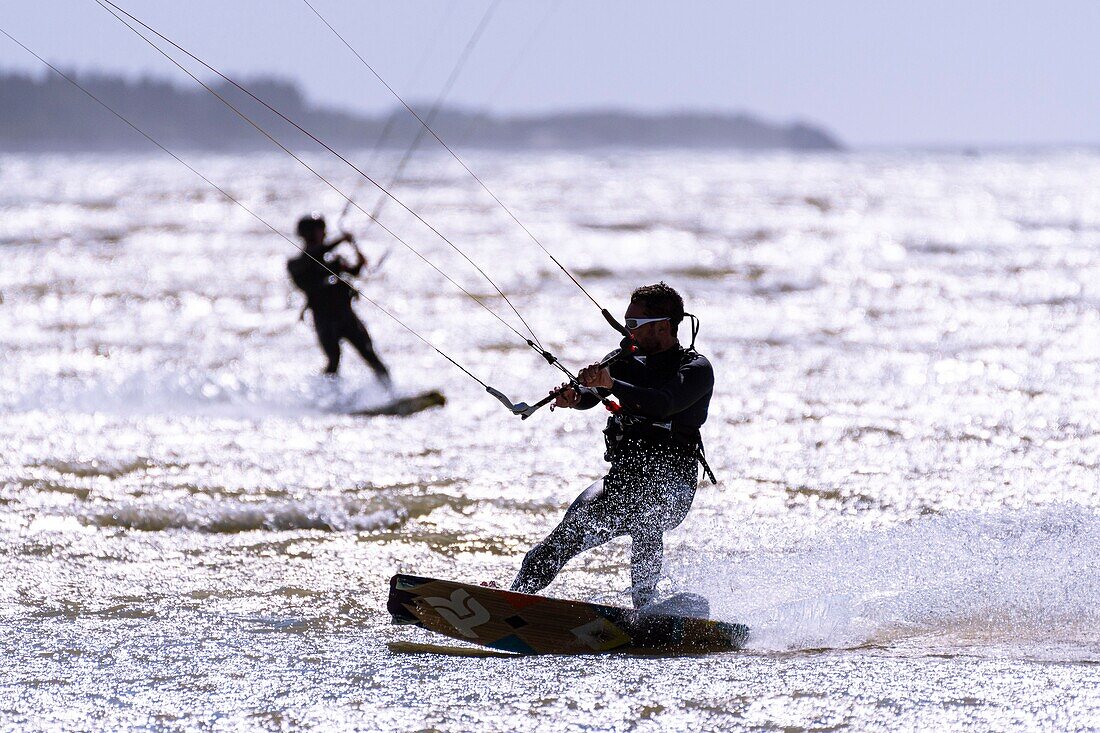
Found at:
<point>965,578</point>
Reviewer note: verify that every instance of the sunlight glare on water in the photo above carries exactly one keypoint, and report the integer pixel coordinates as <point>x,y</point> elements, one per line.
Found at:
<point>196,535</point>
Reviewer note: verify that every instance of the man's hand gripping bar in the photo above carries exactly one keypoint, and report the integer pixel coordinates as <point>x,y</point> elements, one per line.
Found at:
<point>626,348</point>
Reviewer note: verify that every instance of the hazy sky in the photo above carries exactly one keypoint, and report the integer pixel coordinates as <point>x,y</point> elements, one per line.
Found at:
<point>876,73</point>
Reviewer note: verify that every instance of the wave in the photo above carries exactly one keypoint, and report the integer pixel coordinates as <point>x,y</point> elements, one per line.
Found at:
<point>966,579</point>
<point>620,226</point>
<point>111,468</point>
<point>227,517</point>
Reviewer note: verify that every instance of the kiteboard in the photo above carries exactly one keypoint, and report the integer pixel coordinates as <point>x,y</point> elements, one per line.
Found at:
<point>414,648</point>
<point>530,624</point>
<point>404,406</point>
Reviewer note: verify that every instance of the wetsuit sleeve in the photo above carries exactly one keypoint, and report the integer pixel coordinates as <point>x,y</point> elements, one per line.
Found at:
<point>589,398</point>
<point>339,265</point>
<point>693,380</point>
<point>353,270</point>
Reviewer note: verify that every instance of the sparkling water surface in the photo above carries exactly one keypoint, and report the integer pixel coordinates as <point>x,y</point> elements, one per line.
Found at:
<point>905,425</point>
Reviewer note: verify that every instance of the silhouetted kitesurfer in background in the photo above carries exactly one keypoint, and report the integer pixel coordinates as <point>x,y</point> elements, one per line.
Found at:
<point>653,445</point>
<point>329,297</point>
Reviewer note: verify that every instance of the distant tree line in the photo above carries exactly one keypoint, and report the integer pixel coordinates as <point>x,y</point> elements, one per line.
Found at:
<point>49,114</point>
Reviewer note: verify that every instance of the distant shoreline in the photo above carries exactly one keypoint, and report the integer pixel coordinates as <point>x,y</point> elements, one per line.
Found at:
<point>47,114</point>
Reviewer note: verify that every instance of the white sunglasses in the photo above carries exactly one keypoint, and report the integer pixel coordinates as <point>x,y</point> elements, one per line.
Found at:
<point>634,324</point>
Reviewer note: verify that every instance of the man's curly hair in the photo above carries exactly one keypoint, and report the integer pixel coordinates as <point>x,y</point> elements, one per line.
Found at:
<point>659,300</point>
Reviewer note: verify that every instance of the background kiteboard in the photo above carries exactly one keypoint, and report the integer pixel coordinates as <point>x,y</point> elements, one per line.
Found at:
<point>402,406</point>
<point>530,624</point>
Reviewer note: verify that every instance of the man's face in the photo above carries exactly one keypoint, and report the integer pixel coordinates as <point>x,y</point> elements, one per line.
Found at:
<point>650,337</point>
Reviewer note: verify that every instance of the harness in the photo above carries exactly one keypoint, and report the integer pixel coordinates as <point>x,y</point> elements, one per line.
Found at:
<point>622,427</point>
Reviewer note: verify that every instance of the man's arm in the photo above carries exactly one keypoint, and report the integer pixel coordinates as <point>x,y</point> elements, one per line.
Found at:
<point>334,243</point>
<point>355,269</point>
<point>342,264</point>
<point>585,399</point>
<point>589,398</point>
<point>690,383</point>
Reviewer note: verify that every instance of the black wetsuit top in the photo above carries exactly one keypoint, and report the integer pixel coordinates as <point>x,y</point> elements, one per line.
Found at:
<point>664,396</point>
<point>324,291</point>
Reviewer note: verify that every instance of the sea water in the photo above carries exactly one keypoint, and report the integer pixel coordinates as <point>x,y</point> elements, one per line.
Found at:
<point>906,428</point>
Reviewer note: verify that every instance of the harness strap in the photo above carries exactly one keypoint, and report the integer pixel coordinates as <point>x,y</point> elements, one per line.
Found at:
<point>701,454</point>
<point>619,426</point>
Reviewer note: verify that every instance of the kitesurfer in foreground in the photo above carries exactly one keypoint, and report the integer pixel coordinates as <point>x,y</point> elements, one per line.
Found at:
<point>653,445</point>
<point>329,297</point>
